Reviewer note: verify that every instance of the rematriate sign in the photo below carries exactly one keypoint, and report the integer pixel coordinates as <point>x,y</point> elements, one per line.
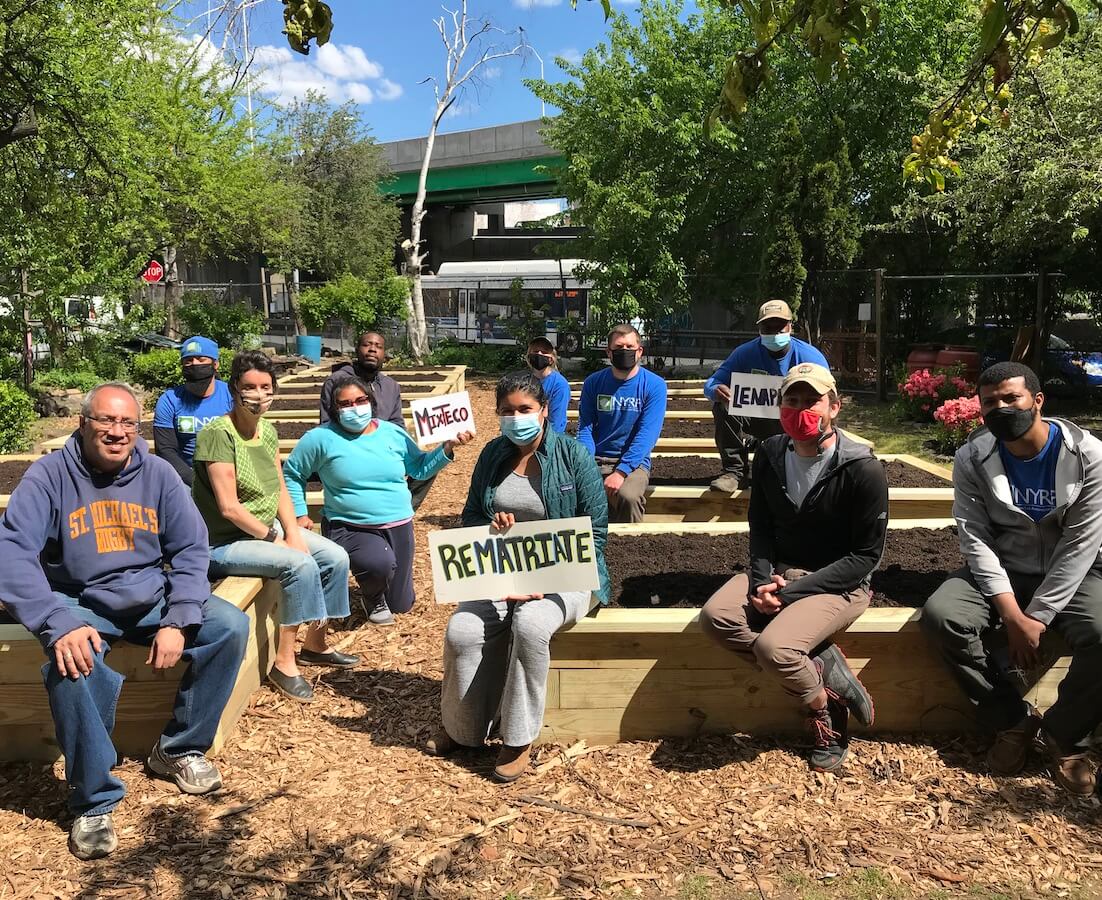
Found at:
<point>756,396</point>
<point>546,557</point>
<point>438,419</point>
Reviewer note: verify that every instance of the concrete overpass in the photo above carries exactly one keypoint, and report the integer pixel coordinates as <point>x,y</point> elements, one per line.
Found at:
<point>498,163</point>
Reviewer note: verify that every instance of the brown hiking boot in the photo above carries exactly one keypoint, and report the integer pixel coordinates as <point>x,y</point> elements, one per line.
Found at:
<point>1072,771</point>
<point>1008,754</point>
<point>512,762</point>
<point>440,744</point>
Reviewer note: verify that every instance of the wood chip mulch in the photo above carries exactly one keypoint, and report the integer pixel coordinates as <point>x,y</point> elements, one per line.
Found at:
<point>337,799</point>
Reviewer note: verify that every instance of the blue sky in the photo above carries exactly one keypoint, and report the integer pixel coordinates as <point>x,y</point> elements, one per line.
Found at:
<point>380,51</point>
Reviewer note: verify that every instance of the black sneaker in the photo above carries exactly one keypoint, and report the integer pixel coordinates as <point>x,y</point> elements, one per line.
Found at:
<point>829,728</point>
<point>93,837</point>
<point>843,685</point>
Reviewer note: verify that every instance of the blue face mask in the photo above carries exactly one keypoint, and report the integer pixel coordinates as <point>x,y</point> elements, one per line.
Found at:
<point>356,418</point>
<point>521,429</point>
<point>776,342</point>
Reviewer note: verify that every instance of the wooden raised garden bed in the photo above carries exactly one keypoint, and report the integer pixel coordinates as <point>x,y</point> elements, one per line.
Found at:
<point>145,706</point>
<point>646,673</point>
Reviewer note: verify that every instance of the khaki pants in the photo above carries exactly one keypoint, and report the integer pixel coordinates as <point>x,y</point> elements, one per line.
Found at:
<point>630,502</point>
<point>781,644</point>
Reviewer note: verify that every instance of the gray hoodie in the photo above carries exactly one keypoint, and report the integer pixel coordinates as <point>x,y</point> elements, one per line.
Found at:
<point>996,537</point>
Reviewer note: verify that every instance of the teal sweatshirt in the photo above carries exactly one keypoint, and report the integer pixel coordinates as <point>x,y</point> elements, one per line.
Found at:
<point>363,475</point>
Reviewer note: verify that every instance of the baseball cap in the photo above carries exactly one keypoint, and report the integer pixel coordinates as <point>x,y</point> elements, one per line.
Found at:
<point>812,374</point>
<point>774,309</point>
<point>198,346</point>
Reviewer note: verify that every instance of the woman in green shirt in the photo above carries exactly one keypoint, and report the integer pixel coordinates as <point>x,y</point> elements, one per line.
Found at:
<point>240,492</point>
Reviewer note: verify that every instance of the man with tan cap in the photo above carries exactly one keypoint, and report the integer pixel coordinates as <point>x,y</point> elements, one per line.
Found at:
<point>818,517</point>
<point>773,352</point>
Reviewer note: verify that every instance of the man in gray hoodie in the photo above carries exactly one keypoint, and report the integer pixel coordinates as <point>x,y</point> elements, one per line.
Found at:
<point>1028,505</point>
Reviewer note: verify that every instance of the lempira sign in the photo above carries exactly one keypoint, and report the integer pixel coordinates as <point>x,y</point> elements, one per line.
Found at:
<point>545,557</point>
<point>756,396</point>
<point>437,419</point>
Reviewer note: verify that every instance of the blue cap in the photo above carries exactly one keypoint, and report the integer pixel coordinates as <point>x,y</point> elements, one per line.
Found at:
<point>198,346</point>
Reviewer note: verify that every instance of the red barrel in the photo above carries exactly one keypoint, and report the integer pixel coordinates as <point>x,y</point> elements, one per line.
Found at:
<point>966,356</point>
<point>922,356</point>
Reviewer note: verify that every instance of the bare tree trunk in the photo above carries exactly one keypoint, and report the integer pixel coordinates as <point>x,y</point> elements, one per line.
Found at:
<point>172,294</point>
<point>417,326</point>
<point>292,303</point>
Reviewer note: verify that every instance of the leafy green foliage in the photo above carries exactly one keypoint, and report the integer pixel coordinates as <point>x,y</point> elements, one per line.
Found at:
<point>479,358</point>
<point>229,323</point>
<point>527,320</point>
<point>305,21</point>
<point>156,370</point>
<point>81,380</point>
<point>360,303</point>
<point>16,415</point>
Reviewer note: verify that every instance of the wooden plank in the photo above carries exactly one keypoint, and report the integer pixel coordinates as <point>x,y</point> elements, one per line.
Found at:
<point>552,701</point>
<point>643,528</point>
<point>919,463</point>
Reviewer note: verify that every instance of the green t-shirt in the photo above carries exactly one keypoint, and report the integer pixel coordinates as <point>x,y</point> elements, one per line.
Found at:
<point>257,476</point>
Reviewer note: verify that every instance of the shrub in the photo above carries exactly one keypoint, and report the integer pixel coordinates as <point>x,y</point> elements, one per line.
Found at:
<point>924,391</point>
<point>485,358</point>
<point>227,322</point>
<point>360,303</point>
<point>79,379</point>
<point>16,416</point>
<point>954,420</point>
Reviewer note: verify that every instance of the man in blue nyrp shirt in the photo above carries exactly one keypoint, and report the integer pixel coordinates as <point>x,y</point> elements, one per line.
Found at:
<point>1027,497</point>
<point>185,410</point>
<point>620,416</point>
<point>773,352</point>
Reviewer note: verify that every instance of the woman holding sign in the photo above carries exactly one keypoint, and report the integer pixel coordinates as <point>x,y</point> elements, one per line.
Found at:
<point>363,462</point>
<point>496,653</point>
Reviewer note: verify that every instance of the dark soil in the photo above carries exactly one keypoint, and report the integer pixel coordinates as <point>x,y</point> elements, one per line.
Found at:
<point>10,473</point>
<point>671,428</point>
<point>698,471</point>
<point>684,570</point>
<point>692,404</point>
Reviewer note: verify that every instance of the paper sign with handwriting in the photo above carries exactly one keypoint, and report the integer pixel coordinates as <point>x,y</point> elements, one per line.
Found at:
<point>438,419</point>
<point>545,557</point>
<point>756,396</point>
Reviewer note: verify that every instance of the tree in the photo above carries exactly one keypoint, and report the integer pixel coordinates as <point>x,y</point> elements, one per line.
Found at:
<point>349,224</point>
<point>467,51</point>
<point>671,217</point>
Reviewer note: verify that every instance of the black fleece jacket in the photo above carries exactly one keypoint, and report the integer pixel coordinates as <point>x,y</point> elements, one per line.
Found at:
<point>838,533</point>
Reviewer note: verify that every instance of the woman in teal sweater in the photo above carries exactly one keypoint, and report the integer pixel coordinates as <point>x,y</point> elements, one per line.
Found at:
<point>363,463</point>
<point>496,652</point>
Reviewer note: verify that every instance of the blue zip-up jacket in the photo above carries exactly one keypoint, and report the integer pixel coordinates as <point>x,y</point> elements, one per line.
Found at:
<point>622,419</point>
<point>752,358</point>
<point>571,484</point>
<point>104,539</point>
<point>558,399</point>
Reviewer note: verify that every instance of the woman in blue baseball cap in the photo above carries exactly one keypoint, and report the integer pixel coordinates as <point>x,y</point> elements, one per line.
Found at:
<point>183,411</point>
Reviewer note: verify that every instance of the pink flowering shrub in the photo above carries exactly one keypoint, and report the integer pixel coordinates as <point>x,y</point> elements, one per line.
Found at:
<point>954,420</point>
<point>922,392</point>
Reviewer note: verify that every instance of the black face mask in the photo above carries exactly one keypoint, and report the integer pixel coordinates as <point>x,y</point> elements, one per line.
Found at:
<point>198,378</point>
<point>1008,423</point>
<point>623,359</point>
<point>368,368</point>
<point>540,361</point>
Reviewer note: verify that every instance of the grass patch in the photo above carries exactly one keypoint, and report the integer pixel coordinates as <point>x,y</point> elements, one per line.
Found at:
<point>878,423</point>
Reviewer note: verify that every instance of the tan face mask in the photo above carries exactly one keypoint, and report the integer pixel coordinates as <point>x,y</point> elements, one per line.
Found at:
<point>256,402</point>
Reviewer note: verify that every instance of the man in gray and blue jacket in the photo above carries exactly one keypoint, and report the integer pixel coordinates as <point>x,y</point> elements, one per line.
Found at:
<point>1028,505</point>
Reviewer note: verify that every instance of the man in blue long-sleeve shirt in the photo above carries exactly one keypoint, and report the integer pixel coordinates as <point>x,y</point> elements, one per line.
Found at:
<point>620,416</point>
<point>773,352</point>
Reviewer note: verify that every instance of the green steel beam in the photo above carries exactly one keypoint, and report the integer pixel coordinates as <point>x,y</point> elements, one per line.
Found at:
<point>484,181</point>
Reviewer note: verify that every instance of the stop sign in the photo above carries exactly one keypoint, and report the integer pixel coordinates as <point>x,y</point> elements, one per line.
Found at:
<point>153,273</point>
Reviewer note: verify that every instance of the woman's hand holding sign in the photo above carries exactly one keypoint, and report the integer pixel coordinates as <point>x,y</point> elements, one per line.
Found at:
<point>458,441</point>
<point>503,521</point>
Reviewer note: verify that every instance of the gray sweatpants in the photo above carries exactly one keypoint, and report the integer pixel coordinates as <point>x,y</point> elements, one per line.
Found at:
<point>496,659</point>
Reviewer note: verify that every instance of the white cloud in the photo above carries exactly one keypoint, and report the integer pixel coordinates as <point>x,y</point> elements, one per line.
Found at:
<point>491,72</point>
<point>532,4</point>
<point>571,54</point>
<point>460,110</point>
<point>347,63</point>
<point>339,71</point>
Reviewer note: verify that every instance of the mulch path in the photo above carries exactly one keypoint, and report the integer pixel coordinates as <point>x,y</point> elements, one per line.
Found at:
<point>337,799</point>
<point>684,570</point>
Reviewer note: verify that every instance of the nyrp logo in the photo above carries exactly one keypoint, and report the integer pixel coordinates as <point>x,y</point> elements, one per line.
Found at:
<point>611,403</point>
<point>192,347</point>
<point>805,369</point>
<point>186,425</point>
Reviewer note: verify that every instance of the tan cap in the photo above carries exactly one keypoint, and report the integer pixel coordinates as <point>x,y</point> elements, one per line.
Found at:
<point>774,309</point>
<point>813,374</point>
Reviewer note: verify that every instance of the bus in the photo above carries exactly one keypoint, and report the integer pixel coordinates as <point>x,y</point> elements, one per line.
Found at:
<point>473,302</point>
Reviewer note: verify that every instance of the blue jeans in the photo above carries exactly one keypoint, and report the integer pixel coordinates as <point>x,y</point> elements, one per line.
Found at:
<point>315,587</point>
<point>84,708</point>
